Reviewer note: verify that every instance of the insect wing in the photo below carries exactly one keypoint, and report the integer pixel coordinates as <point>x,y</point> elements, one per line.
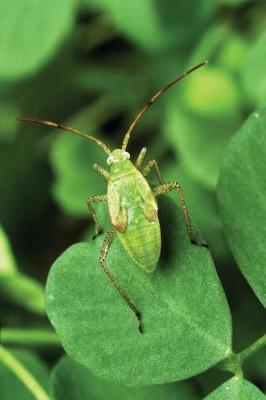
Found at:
<point>118,214</point>
<point>149,205</point>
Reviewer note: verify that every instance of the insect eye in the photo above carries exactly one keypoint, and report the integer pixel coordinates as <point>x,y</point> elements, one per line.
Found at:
<point>126,155</point>
<point>110,160</point>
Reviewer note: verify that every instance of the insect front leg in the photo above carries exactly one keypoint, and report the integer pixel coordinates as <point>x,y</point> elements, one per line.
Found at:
<point>153,165</point>
<point>101,171</point>
<point>141,157</point>
<point>108,240</point>
<point>167,187</point>
<point>90,201</point>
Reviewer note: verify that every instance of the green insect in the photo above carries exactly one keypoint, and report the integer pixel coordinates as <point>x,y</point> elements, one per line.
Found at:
<point>131,200</point>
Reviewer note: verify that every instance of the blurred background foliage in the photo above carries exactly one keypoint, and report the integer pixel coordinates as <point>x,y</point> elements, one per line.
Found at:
<point>92,64</point>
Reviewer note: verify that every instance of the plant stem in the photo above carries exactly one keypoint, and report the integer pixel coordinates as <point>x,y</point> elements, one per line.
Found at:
<point>23,374</point>
<point>29,337</point>
<point>252,349</point>
<point>235,361</point>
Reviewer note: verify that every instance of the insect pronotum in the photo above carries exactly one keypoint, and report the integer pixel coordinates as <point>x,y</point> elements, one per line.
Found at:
<point>131,200</point>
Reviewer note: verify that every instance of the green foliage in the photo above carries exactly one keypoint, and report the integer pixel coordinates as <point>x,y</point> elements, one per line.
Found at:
<point>212,93</point>
<point>186,333</point>
<point>197,128</point>
<point>30,34</point>
<point>72,159</point>
<point>254,71</point>
<point>11,387</point>
<point>71,381</point>
<point>202,205</point>
<point>92,64</point>
<point>236,389</point>
<point>242,193</point>
<point>156,24</point>
<point>7,260</point>
<point>17,287</point>
<point>231,2</point>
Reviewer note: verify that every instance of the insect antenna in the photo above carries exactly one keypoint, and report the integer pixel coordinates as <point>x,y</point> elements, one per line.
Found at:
<point>153,99</point>
<point>52,124</point>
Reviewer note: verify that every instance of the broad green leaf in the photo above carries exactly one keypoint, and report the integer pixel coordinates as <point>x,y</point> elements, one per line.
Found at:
<point>185,314</point>
<point>254,70</point>
<point>72,381</point>
<point>237,389</point>
<point>14,285</point>
<point>13,388</point>
<point>241,194</point>
<point>7,260</point>
<point>30,33</point>
<point>199,125</point>
<point>156,24</point>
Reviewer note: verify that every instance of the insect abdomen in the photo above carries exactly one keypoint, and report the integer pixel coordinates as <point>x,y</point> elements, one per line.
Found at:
<point>142,239</point>
<point>133,212</point>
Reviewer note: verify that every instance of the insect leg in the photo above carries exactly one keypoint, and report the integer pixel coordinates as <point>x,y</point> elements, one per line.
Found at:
<point>147,169</point>
<point>108,240</point>
<point>141,157</point>
<point>167,187</point>
<point>101,171</point>
<point>90,201</point>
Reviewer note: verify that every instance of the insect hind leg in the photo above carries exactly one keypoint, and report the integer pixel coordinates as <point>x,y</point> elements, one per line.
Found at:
<point>108,240</point>
<point>168,187</point>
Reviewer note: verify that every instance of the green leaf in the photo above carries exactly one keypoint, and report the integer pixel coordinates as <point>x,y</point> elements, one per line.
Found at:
<point>199,126</point>
<point>185,314</point>
<point>7,260</point>
<point>72,381</point>
<point>14,285</point>
<point>234,51</point>
<point>24,291</point>
<point>236,389</point>
<point>254,70</point>
<point>8,113</point>
<point>211,93</point>
<point>30,34</point>
<point>156,24</point>
<point>242,194</point>
<point>72,160</point>
<point>13,388</point>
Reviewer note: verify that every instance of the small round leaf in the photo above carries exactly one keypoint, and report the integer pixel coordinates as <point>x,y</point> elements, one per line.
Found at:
<point>187,325</point>
<point>236,389</point>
